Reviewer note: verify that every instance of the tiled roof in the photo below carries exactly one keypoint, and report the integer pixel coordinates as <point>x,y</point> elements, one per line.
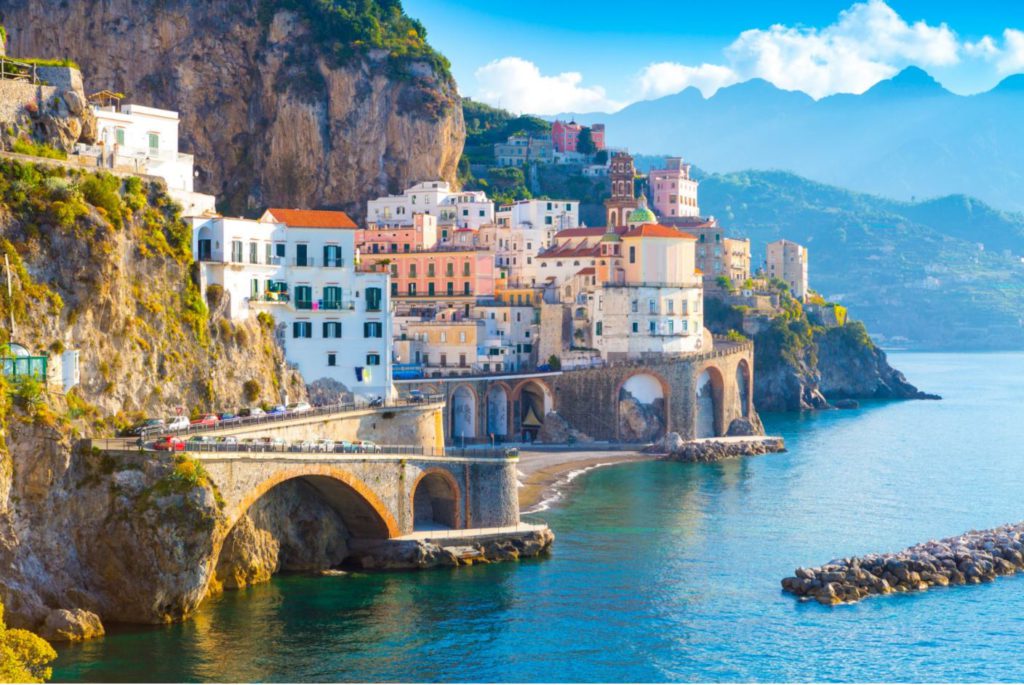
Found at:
<point>589,271</point>
<point>657,231</point>
<point>310,218</point>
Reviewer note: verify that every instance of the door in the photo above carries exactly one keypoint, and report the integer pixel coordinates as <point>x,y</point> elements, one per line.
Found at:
<point>300,255</point>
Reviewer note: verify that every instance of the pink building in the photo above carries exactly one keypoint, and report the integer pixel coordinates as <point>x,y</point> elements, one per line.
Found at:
<point>566,136</point>
<point>377,239</point>
<point>597,134</point>
<point>437,274</point>
<point>673,191</point>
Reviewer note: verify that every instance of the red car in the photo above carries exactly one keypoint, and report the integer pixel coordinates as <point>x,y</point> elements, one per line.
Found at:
<point>207,420</point>
<point>169,443</point>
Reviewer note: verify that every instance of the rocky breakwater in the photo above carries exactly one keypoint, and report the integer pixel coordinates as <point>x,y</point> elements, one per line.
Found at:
<point>969,559</point>
<point>711,450</point>
<point>402,554</point>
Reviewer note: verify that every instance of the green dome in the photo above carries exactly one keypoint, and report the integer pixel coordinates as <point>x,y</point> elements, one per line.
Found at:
<point>642,215</point>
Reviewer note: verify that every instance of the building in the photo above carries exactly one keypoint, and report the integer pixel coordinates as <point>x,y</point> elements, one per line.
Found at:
<point>463,209</point>
<point>623,200</point>
<point>518,151</point>
<point>717,255</point>
<point>673,192</point>
<point>788,261</point>
<point>332,320</point>
<point>447,275</point>
<point>554,215</point>
<point>144,140</point>
<point>422,234</point>
<point>566,136</point>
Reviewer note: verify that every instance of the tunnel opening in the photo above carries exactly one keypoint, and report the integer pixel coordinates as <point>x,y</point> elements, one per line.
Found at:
<point>435,503</point>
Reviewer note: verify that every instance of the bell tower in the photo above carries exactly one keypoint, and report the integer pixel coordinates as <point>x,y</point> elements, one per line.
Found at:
<point>623,198</point>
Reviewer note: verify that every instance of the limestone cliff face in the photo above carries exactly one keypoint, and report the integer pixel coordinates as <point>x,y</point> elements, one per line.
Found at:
<point>852,368</point>
<point>270,116</point>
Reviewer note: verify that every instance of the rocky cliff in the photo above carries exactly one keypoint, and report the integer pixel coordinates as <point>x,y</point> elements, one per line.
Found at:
<point>102,265</point>
<point>275,112</point>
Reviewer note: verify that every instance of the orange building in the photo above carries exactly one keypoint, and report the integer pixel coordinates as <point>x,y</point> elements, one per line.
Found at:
<point>437,274</point>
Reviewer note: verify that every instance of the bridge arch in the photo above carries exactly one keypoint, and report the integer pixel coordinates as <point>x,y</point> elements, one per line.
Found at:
<point>363,512</point>
<point>648,419</point>
<point>743,389</point>
<point>534,401</point>
<point>463,412</point>
<point>710,395</point>
<point>497,410</point>
<point>436,501</point>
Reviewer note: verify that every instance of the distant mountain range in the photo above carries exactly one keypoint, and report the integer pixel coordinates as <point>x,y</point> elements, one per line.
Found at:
<point>905,138</point>
<point>941,274</point>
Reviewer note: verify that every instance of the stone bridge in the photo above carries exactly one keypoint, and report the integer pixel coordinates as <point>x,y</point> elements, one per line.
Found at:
<point>696,396</point>
<point>379,496</point>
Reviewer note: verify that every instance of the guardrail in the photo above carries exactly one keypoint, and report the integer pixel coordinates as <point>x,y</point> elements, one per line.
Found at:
<point>306,447</point>
<point>321,410</point>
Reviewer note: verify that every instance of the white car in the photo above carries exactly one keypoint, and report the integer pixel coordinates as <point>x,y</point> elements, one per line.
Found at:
<point>178,423</point>
<point>323,445</point>
<point>299,407</point>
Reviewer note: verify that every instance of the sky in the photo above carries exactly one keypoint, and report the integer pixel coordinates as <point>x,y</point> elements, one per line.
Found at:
<point>551,56</point>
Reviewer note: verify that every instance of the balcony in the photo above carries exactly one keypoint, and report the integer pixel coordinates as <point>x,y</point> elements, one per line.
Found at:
<point>308,262</point>
<point>334,263</point>
<point>335,305</point>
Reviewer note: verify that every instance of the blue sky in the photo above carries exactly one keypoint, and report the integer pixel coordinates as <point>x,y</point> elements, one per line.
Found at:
<point>552,56</point>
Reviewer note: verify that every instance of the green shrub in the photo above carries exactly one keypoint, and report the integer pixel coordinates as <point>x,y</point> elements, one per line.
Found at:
<point>24,656</point>
<point>102,191</point>
<point>251,390</point>
<point>28,147</point>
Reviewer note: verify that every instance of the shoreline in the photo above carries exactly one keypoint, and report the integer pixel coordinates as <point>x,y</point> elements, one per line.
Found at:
<point>543,474</point>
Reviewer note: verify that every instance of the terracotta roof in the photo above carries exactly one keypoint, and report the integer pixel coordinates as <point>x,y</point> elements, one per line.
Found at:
<point>580,232</point>
<point>310,218</point>
<point>657,231</point>
<point>589,271</point>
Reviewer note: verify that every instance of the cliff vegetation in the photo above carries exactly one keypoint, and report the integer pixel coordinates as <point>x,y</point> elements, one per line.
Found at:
<point>24,657</point>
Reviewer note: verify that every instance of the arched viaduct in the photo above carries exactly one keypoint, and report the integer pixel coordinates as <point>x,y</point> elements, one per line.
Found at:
<point>697,396</point>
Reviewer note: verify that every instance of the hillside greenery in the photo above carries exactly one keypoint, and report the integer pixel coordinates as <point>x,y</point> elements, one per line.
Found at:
<point>24,657</point>
<point>941,274</point>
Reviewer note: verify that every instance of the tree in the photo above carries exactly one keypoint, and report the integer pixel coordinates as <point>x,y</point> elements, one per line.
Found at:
<point>725,283</point>
<point>24,656</point>
<point>585,141</point>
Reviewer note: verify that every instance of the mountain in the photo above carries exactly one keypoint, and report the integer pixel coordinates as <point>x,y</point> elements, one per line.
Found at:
<point>316,103</point>
<point>906,137</point>
<point>943,274</point>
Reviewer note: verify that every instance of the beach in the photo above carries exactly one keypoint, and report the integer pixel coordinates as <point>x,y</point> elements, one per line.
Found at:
<point>543,473</point>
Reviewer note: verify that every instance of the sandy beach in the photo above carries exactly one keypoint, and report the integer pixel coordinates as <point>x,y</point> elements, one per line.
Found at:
<point>543,472</point>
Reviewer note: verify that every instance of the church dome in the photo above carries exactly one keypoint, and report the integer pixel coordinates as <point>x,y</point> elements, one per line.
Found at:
<point>642,215</point>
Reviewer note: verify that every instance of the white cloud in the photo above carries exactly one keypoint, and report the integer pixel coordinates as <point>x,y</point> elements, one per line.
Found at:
<point>516,84</point>
<point>665,78</point>
<point>1009,59</point>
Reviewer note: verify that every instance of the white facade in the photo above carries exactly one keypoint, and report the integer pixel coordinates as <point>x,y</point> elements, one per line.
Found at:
<point>465,209</point>
<point>517,327</point>
<point>631,322</point>
<point>516,250</point>
<point>144,140</point>
<point>555,215</point>
<point>332,321</point>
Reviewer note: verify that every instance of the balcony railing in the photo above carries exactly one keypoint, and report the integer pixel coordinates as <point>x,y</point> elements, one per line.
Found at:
<point>307,262</point>
<point>334,262</point>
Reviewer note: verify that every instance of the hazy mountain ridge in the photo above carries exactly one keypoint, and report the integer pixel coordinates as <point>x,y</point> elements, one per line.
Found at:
<point>905,137</point>
<point>941,274</point>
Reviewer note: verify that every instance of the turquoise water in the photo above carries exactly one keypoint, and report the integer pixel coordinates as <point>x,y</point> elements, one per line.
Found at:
<point>670,571</point>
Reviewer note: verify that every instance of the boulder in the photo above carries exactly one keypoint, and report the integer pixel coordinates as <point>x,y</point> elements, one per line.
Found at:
<point>74,101</point>
<point>672,442</point>
<point>743,427</point>
<point>75,625</point>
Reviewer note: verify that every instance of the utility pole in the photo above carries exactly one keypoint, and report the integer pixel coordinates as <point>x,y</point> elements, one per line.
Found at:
<point>10,293</point>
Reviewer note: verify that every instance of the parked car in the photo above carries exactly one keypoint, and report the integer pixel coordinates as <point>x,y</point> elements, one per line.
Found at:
<point>198,440</point>
<point>275,444</point>
<point>345,446</point>
<point>207,420</point>
<point>299,407</point>
<point>227,440</point>
<point>229,417</point>
<point>147,426</point>
<point>367,446</point>
<point>323,445</point>
<point>250,412</point>
<point>416,396</point>
<point>178,423</point>
<point>377,402</point>
<point>277,410</point>
<point>169,443</point>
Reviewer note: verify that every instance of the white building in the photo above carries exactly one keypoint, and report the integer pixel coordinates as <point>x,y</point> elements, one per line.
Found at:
<point>299,265</point>
<point>788,261</point>
<point>144,140</point>
<point>517,328</point>
<point>553,215</point>
<point>464,209</point>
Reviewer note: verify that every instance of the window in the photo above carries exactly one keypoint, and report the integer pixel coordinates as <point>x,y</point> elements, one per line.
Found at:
<point>450,269</point>
<point>236,251</point>
<point>549,206</point>
<point>430,270</point>
<point>279,248</point>
<point>373,299</point>
<point>373,359</point>
<point>465,268</point>
<point>652,326</point>
<point>462,336</point>
<point>154,142</point>
<point>119,135</point>
<point>636,327</point>
<point>599,328</point>
<point>332,359</point>
<point>548,220</point>
<point>269,255</point>
<point>444,336</point>
<point>671,326</point>
<point>303,297</point>
<point>462,360</point>
<point>254,253</point>
<point>394,270</point>
<point>430,289</point>
<point>332,255</point>
<point>671,306</point>
<point>444,360</point>
<point>632,254</point>
<point>373,329</point>
<point>636,306</point>
<point>332,329</point>
<point>465,288</point>
<point>412,289</point>
<point>412,270</point>
<point>451,288</point>
<point>302,329</point>
<point>652,307</point>
<point>394,290</point>
<point>527,347</point>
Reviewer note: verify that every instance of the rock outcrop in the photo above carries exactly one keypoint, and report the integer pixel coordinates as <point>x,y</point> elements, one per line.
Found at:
<point>711,450</point>
<point>62,625</point>
<point>273,115</point>
<point>52,112</point>
<point>639,422</point>
<point>852,367</point>
<point>969,559</point>
<point>557,431</point>
<point>418,554</point>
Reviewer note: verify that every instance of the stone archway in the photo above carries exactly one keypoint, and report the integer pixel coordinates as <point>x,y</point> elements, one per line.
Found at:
<point>497,412</point>
<point>435,501</point>
<point>743,388</point>
<point>642,408</point>
<point>709,387</point>
<point>535,403</point>
<point>463,413</point>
